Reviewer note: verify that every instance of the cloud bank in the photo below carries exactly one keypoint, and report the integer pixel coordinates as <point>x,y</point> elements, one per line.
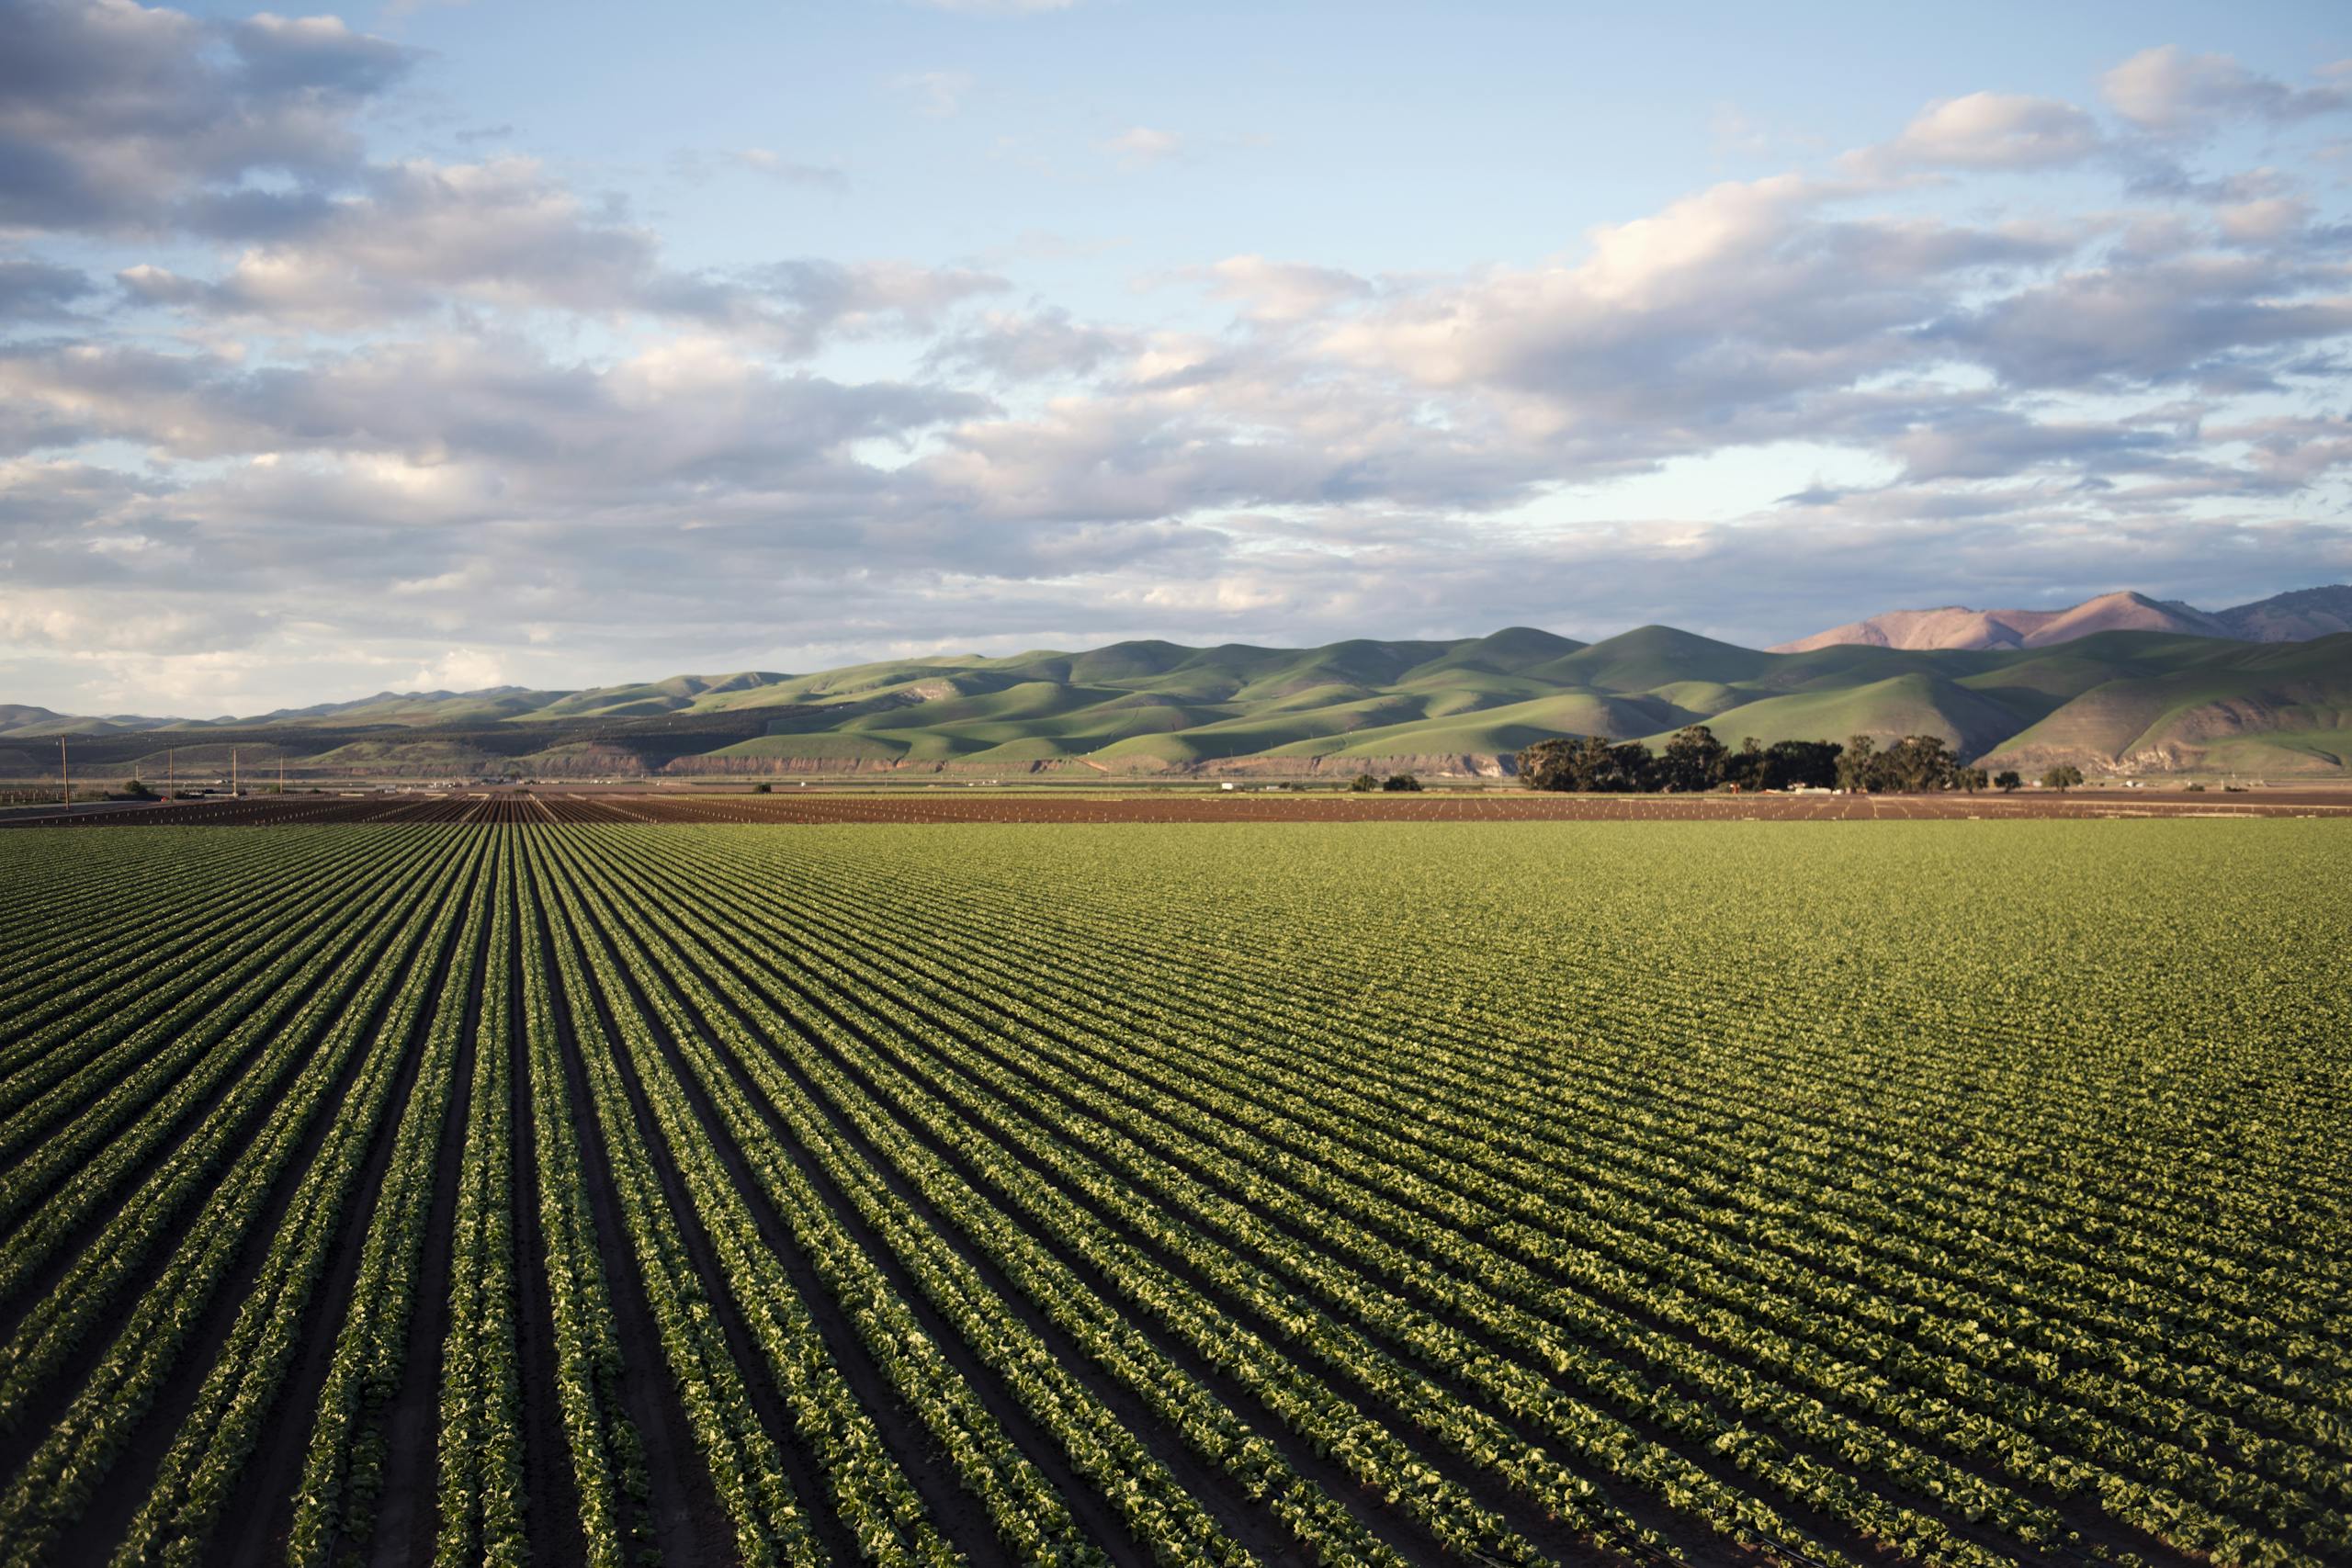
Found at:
<point>366,416</point>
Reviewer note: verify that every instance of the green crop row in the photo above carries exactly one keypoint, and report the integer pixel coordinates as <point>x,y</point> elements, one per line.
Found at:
<point>1360,1193</point>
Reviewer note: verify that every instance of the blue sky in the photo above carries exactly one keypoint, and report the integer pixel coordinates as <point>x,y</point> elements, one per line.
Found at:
<point>454,344</point>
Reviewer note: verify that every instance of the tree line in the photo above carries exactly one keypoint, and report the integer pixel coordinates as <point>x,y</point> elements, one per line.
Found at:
<point>1694,760</point>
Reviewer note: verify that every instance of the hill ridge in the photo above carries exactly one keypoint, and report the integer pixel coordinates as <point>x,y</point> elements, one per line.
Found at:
<point>2131,699</point>
<point>2294,616</point>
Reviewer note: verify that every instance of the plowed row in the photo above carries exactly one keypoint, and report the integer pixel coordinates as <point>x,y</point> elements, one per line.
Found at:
<point>533,1191</point>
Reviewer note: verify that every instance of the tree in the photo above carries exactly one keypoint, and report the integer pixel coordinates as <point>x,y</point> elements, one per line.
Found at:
<point>1545,765</point>
<point>1594,764</point>
<point>2006,781</point>
<point>1401,784</point>
<point>137,790</point>
<point>1858,769</point>
<point>2063,777</point>
<point>1746,768</point>
<point>763,789</point>
<point>1971,779</point>
<point>1363,783</point>
<point>1917,762</point>
<point>1811,764</point>
<point>1692,761</point>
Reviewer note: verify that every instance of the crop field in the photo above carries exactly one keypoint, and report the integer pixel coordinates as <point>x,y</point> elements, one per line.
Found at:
<point>574,1192</point>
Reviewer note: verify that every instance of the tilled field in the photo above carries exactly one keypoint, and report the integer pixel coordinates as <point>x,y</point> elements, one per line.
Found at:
<point>951,806</point>
<point>588,1194</point>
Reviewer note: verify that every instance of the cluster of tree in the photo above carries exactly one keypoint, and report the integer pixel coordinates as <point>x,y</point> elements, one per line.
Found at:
<point>1365,783</point>
<point>1694,760</point>
<point>1912,766</point>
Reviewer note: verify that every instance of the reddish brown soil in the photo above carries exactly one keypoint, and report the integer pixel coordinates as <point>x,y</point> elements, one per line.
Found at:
<point>951,806</point>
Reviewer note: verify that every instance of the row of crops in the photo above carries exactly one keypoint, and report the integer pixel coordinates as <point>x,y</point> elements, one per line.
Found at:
<point>1964,1193</point>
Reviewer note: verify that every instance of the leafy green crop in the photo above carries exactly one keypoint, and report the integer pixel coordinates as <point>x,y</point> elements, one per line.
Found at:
<point>1820,1194</point>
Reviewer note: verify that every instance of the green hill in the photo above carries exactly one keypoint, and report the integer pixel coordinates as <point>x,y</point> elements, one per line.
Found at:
<point>2145,701</point>
<point>1899,706</point>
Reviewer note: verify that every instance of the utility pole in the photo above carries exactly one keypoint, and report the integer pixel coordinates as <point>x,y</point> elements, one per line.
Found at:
<point>64,780</point>
<point>171,772</point>
<point>281,772</point>
<point>233,773</point>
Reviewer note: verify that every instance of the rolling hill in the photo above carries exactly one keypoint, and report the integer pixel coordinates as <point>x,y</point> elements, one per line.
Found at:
<point>2115,700</point>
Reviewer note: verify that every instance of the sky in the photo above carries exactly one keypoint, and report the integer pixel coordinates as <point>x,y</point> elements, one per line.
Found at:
<point>426,346</point>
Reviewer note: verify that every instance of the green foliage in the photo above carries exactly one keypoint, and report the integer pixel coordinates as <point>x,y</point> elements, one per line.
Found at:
<point>1363,783</point>
<point>1593,765</point>
<point>1401,784</point>
<point>1692,761</point>
<point>2007,781</point>
<point>1912,764</point>
<point>2063,776</point>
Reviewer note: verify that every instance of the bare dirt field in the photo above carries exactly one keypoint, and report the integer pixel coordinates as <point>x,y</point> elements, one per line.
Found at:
<point>820,806</point>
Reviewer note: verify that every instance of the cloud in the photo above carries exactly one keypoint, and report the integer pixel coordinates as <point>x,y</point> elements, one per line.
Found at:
<point>1990,130</point>
<point>1140,146</point>
<point>499,231</point>
<point>678,412</point>
<point>504,233</point>
<point>117,119</point>
<point>448,423</point>
<point>938,95</point>
<point>1741,313</point>
<point>1030,348</point>
<point>1282,291</point>
<point>459,670</point>
<point>36,291</point>
<point>2000,444</point>
<point>2170,91</point>
<point>2169,319</point>
<point>815,297</point>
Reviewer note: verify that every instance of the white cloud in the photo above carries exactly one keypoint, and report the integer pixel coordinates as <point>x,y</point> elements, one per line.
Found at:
<point>460,670</point>
<point>1990,130</point>
<point>2168,90</point>
<point>1282,291</point>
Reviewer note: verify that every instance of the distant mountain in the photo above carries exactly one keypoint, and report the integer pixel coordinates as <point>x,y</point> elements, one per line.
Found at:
<point>18,719</point>
<point>2139,699</point>
<point>2298,616</point>
<point>2286,617</point>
